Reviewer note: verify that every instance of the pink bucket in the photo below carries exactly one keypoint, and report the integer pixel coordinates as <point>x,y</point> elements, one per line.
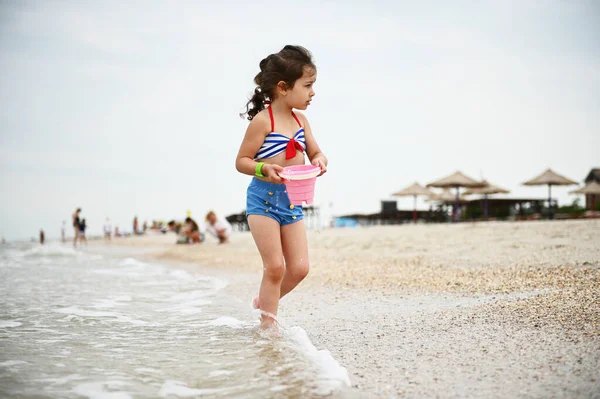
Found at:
<point>300,183</point>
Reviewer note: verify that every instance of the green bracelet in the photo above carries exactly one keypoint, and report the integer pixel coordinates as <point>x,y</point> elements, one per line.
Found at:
<point>258,169</point>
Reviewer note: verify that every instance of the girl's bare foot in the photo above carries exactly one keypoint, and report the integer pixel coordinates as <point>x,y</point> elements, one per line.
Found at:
<point>268,323</point>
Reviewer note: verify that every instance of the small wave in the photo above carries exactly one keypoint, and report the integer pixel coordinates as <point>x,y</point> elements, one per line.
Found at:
<point>104,304</point>
<point>278,388</point>
<point>226,321</point>
<point>190,307</point>
<point>102,390</point>
<point>132,262</point>
<point>181,274</point>
<point>219,284</point>
<point>147,370</point>
<point>189,296</point>
<point>179,389</point>
<point>111,302</point>
<point>332,376</point>
<point>218,373</point>
<point>50,250</point>
<point>9,324</point>
<point>10,363</point>
<point>121,298</point>
<point>73,312</point>
<point>63,380</point>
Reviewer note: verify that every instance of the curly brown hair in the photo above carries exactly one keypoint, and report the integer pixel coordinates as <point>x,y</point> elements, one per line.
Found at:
<point>286,66</point>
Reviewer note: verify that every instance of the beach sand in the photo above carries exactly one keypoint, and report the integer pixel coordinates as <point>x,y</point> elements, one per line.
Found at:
<point>497,309</point>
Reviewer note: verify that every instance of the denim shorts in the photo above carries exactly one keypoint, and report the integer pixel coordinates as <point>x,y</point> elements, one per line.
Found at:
<point>271,200</point>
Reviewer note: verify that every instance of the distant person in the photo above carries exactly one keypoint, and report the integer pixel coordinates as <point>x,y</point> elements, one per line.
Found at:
<point>117,233</point>
<point>135,225</point>
<point>174,226</point>
<point>220,228</point>
<point>82,227</point>
<point>284,82</point>
<point>145,226</point>
<point>192,231</point>
<point>107,230</point>
<point>63,231</point>
<point>42,236</point>
<point>76,223</point>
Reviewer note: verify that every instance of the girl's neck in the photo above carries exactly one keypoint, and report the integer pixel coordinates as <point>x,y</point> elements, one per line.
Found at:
<point>280,107</point>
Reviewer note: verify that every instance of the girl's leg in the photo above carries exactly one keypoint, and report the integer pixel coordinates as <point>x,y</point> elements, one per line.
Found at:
<point>267,236</point>
<point>295,251</point>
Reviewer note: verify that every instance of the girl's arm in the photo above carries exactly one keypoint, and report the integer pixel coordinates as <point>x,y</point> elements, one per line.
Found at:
<point>313,151</point>
<point>244,162</point>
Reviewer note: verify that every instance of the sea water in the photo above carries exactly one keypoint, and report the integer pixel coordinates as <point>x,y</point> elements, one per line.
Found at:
<point>81,324</point>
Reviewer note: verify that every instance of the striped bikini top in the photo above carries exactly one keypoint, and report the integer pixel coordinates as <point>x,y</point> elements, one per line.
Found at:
<point>276,143</point>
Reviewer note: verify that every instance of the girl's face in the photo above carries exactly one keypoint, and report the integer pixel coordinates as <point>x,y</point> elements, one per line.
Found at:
<point>301,94</point>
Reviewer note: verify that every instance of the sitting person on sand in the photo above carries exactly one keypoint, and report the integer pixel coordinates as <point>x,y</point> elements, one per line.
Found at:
<point>192,231</point>
<point>220,228</point>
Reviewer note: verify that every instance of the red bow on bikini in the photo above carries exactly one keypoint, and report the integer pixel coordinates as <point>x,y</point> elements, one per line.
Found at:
<point>290,149</point>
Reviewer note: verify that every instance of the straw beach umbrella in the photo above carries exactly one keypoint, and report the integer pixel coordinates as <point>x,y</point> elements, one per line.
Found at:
<point>486,190</point>
<point>592,188</point>
<point>445,196</point>
<point>415,190</point>
<point>456,180</point>
<point>550,178</point>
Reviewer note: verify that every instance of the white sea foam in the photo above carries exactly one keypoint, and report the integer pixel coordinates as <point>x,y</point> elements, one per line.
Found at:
<point>63,380</point>
<point>332,376</point>
<point>226,321</point>
<point>278,388</point>
<point>219,284</point>
<point>102,390</point>
<point>73,311</point>
<point>189,296</point>
<point>179,389</point>
<point>132,262</point>
<point>10,363</point>
<point>121,298</point>
<point>119,272</point>
<point>146,370</point>
<point>9,324</point>
<point>181,274</point>
<point>51,250</point>
<point>218,373</point>
<point>104,304</point>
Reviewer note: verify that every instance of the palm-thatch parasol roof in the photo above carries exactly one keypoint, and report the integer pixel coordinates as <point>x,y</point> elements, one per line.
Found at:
<point>592,188</point>
<point>414,189</point>
<point>487,189</point>
<point>549,177</point>
<point>456,179</point>
<point>444,196</point>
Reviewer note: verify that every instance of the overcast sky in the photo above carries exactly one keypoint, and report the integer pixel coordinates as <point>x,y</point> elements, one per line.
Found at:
<point>131,108</point>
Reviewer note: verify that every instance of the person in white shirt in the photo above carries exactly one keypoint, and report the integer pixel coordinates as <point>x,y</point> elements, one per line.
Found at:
<point>220,228</point>
<point>63,231</point>
<point>107,230</point>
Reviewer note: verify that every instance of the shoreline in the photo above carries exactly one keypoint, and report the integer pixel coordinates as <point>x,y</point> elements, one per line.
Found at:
<point>479,310</point>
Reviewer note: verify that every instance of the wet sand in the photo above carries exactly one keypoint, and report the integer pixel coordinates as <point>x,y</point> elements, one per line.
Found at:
<point>467,310</point>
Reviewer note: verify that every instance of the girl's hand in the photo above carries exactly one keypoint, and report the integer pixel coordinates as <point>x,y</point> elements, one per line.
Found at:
<point>318,162</point>
<point>271,173</point>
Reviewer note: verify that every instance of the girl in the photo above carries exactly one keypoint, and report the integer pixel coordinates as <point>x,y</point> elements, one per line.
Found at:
<point>277,137</point>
